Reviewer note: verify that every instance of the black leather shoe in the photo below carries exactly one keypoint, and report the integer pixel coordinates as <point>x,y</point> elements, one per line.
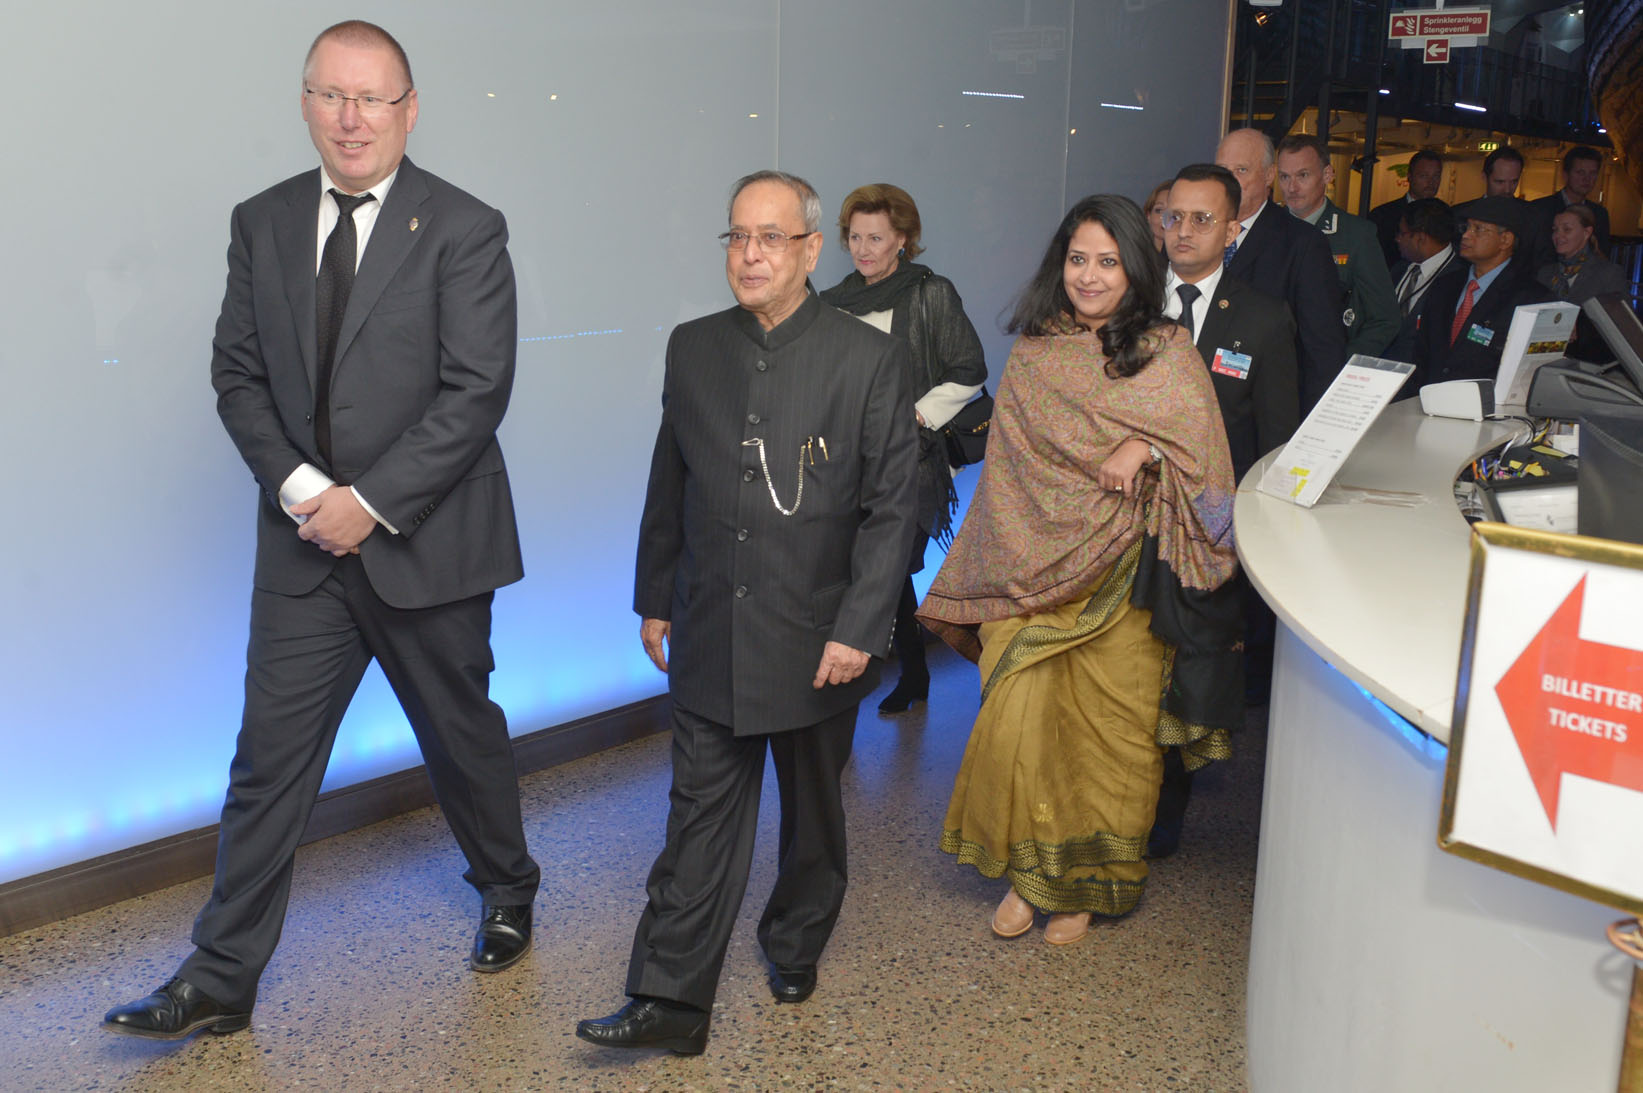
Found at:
<point>504,935</point>
<point>174,1012</point>
<point>650,1022</point>
<point>792,982</point>
<point>903,695</point>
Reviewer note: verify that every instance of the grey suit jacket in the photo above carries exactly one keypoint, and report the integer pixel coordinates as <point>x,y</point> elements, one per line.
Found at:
<point>753,596</point>
<point>423,370</point>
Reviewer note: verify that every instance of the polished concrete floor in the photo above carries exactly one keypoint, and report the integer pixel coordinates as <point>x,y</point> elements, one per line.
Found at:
<point>370,988</point>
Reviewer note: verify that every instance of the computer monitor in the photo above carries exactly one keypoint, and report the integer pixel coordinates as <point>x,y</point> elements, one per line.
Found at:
<point>1611,477</point>
<point>1621,329</point>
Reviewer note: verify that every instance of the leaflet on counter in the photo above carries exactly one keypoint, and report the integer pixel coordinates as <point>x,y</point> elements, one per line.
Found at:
<point>1539,333</point>
<point>1309,461</point>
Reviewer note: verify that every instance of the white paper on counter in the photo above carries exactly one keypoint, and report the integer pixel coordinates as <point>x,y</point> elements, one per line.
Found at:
<point>1309,461</point>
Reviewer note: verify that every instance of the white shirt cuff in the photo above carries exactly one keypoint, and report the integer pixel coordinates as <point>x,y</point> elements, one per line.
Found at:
<point>375,515</point>
<point>309,481</point>
<point>304,482</point>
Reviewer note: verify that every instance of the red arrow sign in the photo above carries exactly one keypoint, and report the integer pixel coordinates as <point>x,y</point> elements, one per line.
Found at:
<point>1575,707</point>
<point>1437,51</point>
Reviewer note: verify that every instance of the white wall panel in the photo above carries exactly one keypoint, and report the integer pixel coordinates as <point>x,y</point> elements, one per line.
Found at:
<point>608,134</point>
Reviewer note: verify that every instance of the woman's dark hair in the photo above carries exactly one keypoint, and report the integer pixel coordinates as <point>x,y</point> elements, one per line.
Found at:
<point>1043,308</point>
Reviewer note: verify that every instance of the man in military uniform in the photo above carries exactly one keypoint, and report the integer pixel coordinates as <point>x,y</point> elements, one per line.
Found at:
<point>1371,316</point>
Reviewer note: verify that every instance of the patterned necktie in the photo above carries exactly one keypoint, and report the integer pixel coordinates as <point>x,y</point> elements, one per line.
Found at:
<point>1226,258</point>
<point>1188,294</point>
<point>1465,310</point>
<point>1406,287</point>
<point>331,289</point>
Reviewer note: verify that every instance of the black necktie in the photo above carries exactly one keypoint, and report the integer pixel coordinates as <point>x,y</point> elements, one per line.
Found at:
<point>335,282</point>
<point>1188,294</point>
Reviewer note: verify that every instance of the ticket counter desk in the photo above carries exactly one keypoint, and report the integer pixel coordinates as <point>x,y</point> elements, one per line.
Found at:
<point>1377,961</point>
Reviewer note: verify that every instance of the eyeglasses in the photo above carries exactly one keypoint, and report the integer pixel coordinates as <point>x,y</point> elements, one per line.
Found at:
<point>1197,223</point>
<point>369,105</point>
<point>771,242</point>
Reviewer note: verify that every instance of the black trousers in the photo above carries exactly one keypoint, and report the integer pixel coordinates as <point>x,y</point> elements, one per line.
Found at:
<point>305,659</point>
<point>697,883</point>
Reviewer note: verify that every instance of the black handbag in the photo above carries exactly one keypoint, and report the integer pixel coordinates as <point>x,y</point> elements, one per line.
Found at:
<point>966,434</point>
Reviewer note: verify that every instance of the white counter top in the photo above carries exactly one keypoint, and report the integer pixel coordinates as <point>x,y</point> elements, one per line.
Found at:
<point>1373,578</point>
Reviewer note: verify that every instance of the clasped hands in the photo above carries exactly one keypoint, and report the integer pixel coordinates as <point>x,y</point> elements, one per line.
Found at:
<point>336,521</point>
<point>839,662</point>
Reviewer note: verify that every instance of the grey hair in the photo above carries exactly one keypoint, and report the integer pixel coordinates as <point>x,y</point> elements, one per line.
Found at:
<point>809,201</point>
<point>1269,152</point>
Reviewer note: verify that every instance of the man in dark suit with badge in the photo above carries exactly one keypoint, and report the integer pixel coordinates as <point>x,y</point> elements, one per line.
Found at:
<point>1426,238</point>
<point>1371,314</point>
<point>1464,319</point>
<point>1247,339</point>
<point>772,549</point>
<point>362,361</point>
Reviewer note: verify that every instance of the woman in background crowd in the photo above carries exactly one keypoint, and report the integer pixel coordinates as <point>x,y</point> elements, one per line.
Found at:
<point>1580,271</point>
<point>879,225</point>
<point>1090,582</point>
<point>1154,208</point>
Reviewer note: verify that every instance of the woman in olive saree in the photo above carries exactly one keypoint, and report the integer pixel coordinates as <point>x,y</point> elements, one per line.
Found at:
<point>1089,582</point>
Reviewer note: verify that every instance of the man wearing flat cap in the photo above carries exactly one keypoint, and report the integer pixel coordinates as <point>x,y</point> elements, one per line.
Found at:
<point>1463,320</point>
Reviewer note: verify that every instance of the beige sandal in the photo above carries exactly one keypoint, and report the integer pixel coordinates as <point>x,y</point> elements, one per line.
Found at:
<point>1014,916</point>
<point>1066,929</point>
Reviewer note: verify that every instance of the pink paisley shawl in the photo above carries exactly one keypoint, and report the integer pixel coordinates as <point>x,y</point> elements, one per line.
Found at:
<point>1039,530</point>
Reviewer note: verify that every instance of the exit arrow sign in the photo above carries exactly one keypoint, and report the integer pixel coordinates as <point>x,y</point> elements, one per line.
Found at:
<point>1436,52</point>
<point>1575,707</point>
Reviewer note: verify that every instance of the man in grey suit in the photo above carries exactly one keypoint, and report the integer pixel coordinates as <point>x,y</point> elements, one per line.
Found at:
<point>773,545</point>
<point>362,361</point>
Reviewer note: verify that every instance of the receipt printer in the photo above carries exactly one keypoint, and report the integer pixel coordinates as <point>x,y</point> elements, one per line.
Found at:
<point>1473,400</point>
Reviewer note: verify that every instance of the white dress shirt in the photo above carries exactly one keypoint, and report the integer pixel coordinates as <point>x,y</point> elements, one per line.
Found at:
<point>1200,307</point>
<point>1429,270</point>
<point>308,480</point>
<point>1250,223</point>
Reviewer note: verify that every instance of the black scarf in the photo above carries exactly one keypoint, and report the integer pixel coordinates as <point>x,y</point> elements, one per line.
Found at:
<point>855,295</point>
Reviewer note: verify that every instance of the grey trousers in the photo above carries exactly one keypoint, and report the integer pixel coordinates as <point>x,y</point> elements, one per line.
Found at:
<point>304,661</point>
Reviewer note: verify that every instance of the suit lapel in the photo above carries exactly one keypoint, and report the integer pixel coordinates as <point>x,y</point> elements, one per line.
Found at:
<point>391,240</point>
<point>1254,239</point>
<point>1488,301</point>
<point>296,233</point>
<point>1212,336</point>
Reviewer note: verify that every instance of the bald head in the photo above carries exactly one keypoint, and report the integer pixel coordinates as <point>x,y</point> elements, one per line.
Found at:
<point>1248,154</point>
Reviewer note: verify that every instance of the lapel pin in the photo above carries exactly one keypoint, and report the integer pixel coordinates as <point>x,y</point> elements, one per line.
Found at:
<point>1223,305</point>
<point>414,223</point>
